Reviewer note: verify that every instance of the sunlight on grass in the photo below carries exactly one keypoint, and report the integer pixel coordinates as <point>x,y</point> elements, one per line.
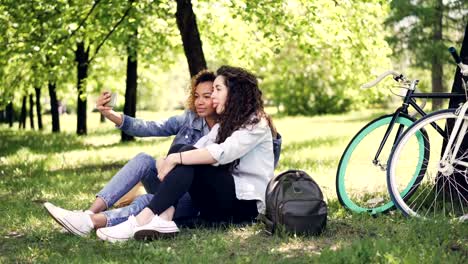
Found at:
<point>68,170</point>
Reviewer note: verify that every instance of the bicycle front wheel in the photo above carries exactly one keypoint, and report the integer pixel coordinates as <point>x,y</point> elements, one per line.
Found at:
<point>360,181</point>
<point>443,190</point>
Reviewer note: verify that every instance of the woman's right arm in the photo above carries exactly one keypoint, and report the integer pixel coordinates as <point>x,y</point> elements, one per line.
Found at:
<point>137,127</point>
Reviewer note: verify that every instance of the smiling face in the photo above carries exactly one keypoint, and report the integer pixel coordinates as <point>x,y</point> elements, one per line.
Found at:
<point>203,102</point>
<point>220,94</point>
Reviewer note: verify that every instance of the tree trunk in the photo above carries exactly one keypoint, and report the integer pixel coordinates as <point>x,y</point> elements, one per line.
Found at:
<point>81,57</point>
<point>31,111</point>
<point>437,70</point>
<point>22,122</point>
<point>10,114</point>
<point>54,107</point>
<point>187,24</point>
<point>454,103</point>
<point>131,85</point>
<point>2,116</point>
<point>38,108</point>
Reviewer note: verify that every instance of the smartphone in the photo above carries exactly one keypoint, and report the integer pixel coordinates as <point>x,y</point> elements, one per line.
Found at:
<point>113,100</point>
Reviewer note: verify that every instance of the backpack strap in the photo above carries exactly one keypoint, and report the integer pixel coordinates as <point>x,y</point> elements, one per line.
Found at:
<point>269,225</point>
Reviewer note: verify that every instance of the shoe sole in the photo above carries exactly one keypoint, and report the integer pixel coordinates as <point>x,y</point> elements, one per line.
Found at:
<point>111,239</point>
<point>74,230</point>
<point>150,235</point>
<point>57,220</point>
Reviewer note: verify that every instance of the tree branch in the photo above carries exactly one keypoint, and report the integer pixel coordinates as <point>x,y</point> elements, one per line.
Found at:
<point>112,31</point>
<point>96,2</point>
<point>65,38</point>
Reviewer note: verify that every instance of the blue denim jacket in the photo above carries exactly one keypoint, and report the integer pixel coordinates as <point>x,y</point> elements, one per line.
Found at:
<point>188,128</point>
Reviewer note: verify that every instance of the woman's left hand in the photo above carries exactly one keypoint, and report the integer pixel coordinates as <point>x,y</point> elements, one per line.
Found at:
<point>164,166</point>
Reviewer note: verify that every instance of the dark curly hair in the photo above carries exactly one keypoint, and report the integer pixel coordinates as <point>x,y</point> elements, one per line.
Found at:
<point>201,77</point>
<point>244,104</point>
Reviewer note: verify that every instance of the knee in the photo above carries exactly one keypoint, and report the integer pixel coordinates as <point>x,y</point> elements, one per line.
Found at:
<point>144,159</point>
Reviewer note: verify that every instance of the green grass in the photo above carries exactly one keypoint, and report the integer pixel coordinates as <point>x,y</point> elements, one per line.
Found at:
<point>68,170</point>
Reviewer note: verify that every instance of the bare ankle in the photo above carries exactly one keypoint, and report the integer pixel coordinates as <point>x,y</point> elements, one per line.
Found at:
<point>98,205</point>
<point>99,220</point>
<point>144,217</point>
<point>168,214</point>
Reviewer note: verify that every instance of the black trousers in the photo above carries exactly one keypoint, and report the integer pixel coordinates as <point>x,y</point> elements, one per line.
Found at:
<point>212,190</point>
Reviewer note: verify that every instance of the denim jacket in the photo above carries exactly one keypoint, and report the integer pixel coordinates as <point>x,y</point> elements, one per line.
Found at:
<point>188,128</point>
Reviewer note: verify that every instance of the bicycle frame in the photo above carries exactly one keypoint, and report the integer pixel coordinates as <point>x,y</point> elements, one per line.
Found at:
<point>409,101</point>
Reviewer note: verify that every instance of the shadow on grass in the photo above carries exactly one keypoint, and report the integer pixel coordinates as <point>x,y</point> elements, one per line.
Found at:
<point>11,141</point>
<point>30,182</point>
<point>43,143</point>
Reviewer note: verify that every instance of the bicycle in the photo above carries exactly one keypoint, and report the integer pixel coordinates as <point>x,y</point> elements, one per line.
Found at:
<point>370,165</point>
<point>442,191</point>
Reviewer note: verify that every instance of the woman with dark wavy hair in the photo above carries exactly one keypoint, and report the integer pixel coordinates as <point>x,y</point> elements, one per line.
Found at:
<point>226,172</point>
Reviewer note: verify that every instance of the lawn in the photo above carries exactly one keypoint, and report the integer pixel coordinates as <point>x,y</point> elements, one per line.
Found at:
<point>68,170</point>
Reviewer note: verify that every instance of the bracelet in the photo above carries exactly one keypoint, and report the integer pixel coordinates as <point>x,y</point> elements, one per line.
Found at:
<point>180,155</point>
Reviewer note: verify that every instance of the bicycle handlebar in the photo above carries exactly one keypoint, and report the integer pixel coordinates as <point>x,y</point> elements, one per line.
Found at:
<point>456,57</point>
<point>396,75</point>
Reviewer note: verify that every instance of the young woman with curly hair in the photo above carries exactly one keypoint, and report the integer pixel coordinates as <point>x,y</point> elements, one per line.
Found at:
<point>187,128</point>
<point>226,172</point>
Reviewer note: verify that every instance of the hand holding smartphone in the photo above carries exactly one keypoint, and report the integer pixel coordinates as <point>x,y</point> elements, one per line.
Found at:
<point>113,100</point>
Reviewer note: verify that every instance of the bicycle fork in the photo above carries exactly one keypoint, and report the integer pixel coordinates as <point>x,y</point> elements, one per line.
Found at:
<point>376,161</point>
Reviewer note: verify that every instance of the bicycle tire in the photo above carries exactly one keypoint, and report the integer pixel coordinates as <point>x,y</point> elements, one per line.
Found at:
<point>437,194</point>
<point>349,170</point>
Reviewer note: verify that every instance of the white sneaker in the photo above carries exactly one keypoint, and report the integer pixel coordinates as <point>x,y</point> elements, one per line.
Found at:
<point>118,233</point>
<point>78,223</point>
<point>156,229</point>
<point>463,218</point>
<point>58,214</point>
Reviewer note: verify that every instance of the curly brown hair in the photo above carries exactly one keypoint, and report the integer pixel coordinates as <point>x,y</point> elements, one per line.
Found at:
<point>201,77</point>
<point>244,104</point>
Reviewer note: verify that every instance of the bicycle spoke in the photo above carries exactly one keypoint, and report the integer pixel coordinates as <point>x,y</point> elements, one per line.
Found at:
<point>439,190</point>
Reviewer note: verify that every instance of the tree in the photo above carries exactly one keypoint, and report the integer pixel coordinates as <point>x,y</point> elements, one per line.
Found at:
<point>31,111</point>
<point>422,30</point>
<point>187,24</point>
<point>131,82</point>
<point>22,121</point>
<point>35,38</point>
<point>315,54</point>
<point>83,58</point>
<point>10,114</point>
<point>54,107</point>
<point>38,107</point>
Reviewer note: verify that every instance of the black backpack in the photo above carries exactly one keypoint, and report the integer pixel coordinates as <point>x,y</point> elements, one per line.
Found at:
<point>294,203</point>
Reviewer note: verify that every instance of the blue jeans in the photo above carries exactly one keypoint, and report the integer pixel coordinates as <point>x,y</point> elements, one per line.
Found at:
<point>141,168</point>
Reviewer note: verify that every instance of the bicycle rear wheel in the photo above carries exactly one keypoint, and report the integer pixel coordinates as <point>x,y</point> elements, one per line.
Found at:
<point>360,184</point>
<point>443,190</point>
